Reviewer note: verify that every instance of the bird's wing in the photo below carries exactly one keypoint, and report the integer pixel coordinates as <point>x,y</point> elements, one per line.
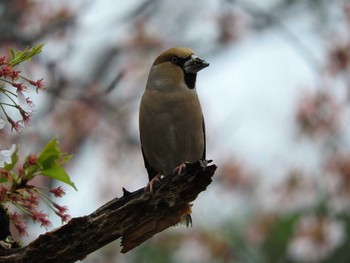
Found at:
<point>205,143</point>
<point>150,170</point>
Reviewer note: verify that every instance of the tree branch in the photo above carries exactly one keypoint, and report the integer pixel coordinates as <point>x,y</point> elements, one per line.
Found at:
<point>135,217</point>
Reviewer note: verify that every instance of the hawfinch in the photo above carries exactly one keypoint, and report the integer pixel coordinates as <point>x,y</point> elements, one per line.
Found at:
<point>170,120</point>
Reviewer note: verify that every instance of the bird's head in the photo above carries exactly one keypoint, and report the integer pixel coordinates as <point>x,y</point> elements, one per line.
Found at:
<point>175,67</point>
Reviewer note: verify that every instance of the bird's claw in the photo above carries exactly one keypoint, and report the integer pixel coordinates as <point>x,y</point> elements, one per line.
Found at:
<point>151,183</point>
<point>179,169</point>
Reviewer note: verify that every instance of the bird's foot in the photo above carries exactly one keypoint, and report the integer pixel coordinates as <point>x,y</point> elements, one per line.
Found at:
<point>179,169</point>
<point>151,183</point>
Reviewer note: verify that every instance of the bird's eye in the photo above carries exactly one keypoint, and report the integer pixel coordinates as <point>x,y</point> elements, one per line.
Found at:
<point>174,60</point>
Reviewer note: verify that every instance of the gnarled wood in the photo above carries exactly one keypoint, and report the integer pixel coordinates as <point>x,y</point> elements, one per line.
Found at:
<point>135,217</point>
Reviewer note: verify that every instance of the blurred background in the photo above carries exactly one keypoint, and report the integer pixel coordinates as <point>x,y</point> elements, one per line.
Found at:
<point>276,99</point>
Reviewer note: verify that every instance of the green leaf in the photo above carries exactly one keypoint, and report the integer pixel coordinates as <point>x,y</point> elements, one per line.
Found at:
<point>50,160</point>
<point>30,171</point>
<point>14,159</point>
<point>12,52</point>
<point>50,154</point>
<point>20,56</point>
<point>58,173</point>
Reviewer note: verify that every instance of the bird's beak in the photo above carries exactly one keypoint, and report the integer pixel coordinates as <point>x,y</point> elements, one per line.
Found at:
<point>195,64</point>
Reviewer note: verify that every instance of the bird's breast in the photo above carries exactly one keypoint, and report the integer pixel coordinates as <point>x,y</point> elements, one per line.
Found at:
<point>171,130</point>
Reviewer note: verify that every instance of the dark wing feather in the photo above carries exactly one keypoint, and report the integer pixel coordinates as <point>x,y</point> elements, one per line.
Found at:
<point>205,143</point>
<point>150,170</point>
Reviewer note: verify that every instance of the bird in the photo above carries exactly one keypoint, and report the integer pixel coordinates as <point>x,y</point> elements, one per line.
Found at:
<point>171,123</point>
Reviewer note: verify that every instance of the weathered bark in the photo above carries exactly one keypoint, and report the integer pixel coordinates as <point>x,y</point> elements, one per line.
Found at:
<point>135,217</point>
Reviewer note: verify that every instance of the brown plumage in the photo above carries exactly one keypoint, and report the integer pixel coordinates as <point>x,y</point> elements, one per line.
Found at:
<point>171,121</point>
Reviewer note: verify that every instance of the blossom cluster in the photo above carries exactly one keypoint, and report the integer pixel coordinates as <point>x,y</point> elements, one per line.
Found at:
<point>14,86</point>
<point>15,190</point>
